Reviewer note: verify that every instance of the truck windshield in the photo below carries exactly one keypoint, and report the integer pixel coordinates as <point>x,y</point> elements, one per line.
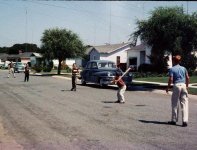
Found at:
<point>106,65</point>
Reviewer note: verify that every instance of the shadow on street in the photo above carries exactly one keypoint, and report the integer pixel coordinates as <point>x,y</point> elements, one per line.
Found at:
<point>156,122</point>
<point>133,87</point>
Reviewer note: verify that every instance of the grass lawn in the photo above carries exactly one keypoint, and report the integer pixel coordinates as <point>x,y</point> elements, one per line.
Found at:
<point>193,79</point>
<point>193,91</point>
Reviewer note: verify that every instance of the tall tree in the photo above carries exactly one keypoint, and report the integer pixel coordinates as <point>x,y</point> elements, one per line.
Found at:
<point>168,30</point>
<point>25,47</point>
<point>4,49</point>
<point>61,44</point>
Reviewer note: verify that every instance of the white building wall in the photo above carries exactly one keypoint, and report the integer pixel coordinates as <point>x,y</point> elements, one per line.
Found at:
<point>113,56</point>
<point>33,60</point>
<point>148,53</point>
<point>68,62</point>
<point>169,62</point>
<point>25,61</point>
<point>78,62</point>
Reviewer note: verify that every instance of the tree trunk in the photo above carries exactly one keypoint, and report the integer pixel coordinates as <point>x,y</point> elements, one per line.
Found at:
<point>59,67</point>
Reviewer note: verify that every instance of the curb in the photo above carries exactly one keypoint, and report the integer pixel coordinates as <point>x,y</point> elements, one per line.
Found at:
<point>154,91</point>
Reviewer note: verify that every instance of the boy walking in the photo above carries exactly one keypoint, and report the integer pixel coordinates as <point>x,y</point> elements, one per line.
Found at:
<point>11,69</point>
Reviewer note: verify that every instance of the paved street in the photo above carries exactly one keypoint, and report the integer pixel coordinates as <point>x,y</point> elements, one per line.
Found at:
<point>44,114</point>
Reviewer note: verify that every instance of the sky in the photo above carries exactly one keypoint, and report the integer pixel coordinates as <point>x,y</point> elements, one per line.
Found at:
<point>95,22</point>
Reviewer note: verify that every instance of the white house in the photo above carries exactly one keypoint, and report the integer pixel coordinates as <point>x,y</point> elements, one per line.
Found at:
<point>68,61</point>
<point>138,55</point>
<point>35,58</point>
<point>124,54</point>
<point>114,52</point>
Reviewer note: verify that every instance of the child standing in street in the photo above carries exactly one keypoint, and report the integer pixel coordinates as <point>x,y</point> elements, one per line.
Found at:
<point>26,73</point>
<point>75,71</point>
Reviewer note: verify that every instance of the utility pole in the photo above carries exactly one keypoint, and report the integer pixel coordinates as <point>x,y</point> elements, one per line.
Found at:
<point>143,9</point>
<point>26,30</point>
<point>94,33</point>
<point>110,25</point>
<point>187,7</point>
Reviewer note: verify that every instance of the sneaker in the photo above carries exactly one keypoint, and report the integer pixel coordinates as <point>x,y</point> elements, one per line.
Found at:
<point>184,124</point>
<point>117,101</point>
<point>171,122</point>
<point>122,102</point>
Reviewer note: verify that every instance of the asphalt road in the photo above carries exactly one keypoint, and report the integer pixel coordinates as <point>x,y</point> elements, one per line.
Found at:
<point>44,114</point>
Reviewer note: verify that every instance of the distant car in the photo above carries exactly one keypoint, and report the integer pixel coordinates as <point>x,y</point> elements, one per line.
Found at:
<point>5,65</point>
<point>102,72</point>
<point>19,67</point>
<point>1,64</point>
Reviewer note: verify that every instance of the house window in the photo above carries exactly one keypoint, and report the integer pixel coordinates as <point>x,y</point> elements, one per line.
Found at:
<point>94,57</point>
<point>118,60</point>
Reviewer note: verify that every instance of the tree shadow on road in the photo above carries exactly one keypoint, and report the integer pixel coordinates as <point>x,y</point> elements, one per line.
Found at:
<point>133,87</point>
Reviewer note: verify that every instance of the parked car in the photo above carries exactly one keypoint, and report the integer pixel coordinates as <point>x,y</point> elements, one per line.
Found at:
<point>19,67</point>
<point>5,65</point>
<point>102,72</point>
<point>1,64</point>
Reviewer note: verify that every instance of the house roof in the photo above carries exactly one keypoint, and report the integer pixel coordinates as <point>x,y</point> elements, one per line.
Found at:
<point>108,48</point>
<point>38,55</point>
<point>88,50</point>
<point>25,54</point>
<point>138,47</point>
<point>3,55</point>
<point>21,55</point>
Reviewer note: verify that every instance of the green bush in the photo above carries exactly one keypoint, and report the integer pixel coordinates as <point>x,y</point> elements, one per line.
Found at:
<point>195,73</point>
<point>147,74</point>
<point>37,68</point>
<point>146,68</point>
<point>48,67</point>
<point>67,69</point>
